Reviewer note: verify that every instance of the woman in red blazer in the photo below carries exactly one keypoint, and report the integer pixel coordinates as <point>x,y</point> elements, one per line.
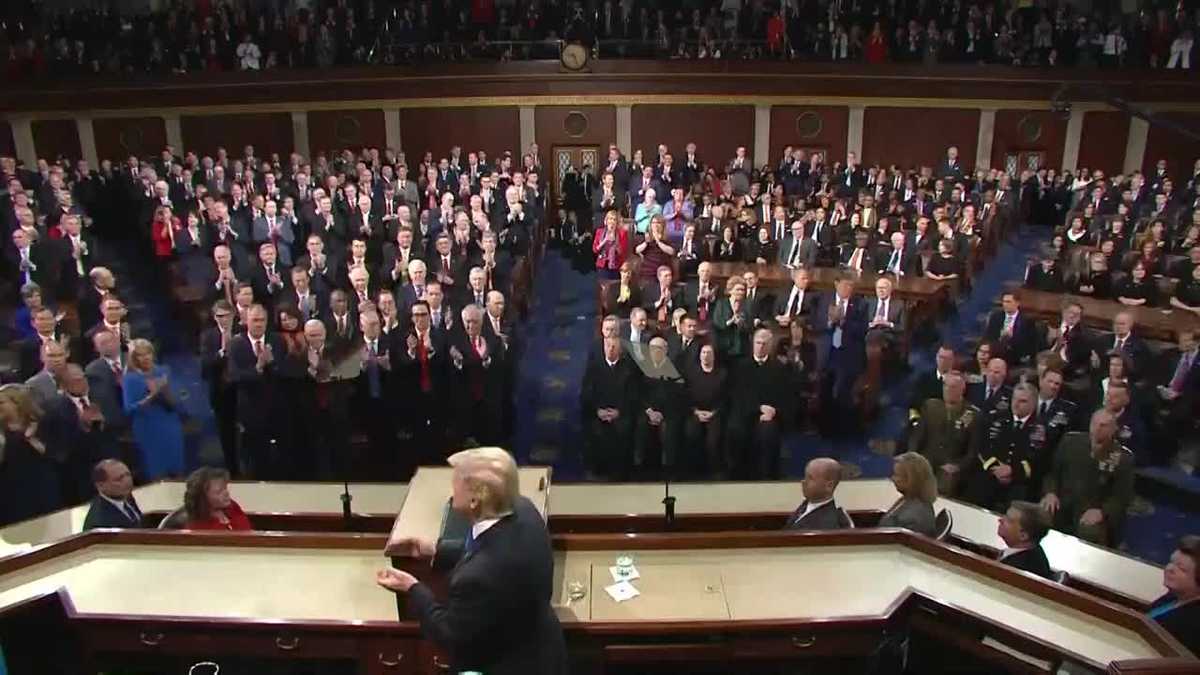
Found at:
<point>610,244</point>
<point>208,504</point>
<point>162,231</point>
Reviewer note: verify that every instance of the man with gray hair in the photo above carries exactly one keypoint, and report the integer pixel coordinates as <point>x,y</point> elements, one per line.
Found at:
<point>479,362</point>
<point>497,617</point>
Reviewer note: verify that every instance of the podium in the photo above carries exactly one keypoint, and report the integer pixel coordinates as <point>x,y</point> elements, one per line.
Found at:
<point>426,514</point>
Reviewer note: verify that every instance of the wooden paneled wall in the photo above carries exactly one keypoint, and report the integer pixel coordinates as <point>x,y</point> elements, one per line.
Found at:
<point>7,147</point>
<point>911,137</point>
<point>809,127</point>
<point>1102,145</point>
<point>717,130</point>
<point>1028,130</point>
<point>493,129</point>
<point>908,136</point>
<point>117,138</point>
<point>54,138</point>
<point>331,131</point>
<point>267,132</point>
<point>1179,151</point>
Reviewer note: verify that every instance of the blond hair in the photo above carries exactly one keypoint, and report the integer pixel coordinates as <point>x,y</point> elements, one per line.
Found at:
<point>921,483</point>
<point>491,476</point>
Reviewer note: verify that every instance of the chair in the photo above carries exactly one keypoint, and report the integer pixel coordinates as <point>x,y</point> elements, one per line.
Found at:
<point>846,515</point>
<point>175,520</point>
<point>945,522</point>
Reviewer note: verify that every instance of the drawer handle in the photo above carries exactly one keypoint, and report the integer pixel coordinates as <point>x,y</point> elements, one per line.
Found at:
<point>805,642</point>
<point>150,639</point>
<point>287,644</point>
<point>383,660</point>
<point>194,670</point>
<point>437,663</point>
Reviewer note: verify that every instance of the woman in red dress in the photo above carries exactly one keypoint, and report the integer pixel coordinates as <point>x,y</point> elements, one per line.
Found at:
<point>876,50</point>
<point>162,231</point>
<point>208,504</point>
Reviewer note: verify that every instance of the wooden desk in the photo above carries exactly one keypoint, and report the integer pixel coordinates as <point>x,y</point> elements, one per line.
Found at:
<point>272,505</point>
<point>915,288</point>
<point>763,599</point>
<point>620,507</point>
<point>1155,324</point>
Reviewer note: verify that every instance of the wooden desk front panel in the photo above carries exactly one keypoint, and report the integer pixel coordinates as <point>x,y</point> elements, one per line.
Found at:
<point>817,584</point>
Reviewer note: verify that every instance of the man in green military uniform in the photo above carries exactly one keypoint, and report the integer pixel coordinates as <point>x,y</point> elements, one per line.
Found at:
<point>1090,484</point>
<point>943,432</point>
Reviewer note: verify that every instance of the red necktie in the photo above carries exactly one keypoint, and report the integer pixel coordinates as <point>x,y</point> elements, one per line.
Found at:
<point>423,359</point>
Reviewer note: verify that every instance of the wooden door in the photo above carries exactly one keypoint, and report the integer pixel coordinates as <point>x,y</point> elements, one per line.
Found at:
<point>1018,161</point>
<point>566,157</point>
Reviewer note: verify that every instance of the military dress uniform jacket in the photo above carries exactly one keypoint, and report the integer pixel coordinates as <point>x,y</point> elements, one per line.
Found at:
<point>1085,480</point>
<point>943,435</point>
<point>1001,439</point>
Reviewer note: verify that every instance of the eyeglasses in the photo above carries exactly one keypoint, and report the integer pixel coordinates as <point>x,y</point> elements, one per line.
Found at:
<point>416,314</point>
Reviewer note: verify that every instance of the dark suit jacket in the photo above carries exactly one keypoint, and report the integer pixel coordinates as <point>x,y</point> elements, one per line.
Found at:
<point>807,255</point>
<point>102,513</point>
<point>497,617</point>
<point>1022,345</point>
<point>1183,622</point>
<point>1001,397</point>
<point>824,517</point>
<point>1032,560</point>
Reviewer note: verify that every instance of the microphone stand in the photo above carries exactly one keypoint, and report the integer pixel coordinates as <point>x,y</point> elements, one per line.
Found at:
<point>347,514</point>
<point>668,502</point>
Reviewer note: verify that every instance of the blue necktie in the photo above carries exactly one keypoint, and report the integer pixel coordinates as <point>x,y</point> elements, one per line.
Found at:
<point>469,544</point>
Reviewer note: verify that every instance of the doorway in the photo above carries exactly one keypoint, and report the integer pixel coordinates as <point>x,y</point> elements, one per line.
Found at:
<point>571,162</point>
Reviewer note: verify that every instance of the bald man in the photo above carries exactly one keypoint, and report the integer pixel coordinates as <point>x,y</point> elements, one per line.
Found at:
<point>819,511</point>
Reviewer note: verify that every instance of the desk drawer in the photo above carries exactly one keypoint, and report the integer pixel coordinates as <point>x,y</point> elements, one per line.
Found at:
<point>386,656</point>
<point>804,644</point>
<point>170,639</point>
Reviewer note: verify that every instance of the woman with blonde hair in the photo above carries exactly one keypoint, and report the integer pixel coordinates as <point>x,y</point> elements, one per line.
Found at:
<point>151,406</point>
<point>29,478</point>
<point>913,477</point>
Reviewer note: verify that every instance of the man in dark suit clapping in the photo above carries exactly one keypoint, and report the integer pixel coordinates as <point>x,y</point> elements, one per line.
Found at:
<point>497,617</point>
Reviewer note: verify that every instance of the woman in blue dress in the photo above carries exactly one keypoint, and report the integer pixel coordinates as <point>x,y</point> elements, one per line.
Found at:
<point>151,406</point>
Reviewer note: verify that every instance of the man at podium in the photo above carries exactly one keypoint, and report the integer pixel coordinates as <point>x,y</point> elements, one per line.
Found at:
<point>497,618</point>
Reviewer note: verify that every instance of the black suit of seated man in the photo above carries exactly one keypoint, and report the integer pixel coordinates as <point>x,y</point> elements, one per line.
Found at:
<point>496,618</point>
<point>819,510</point>
<point>1022,527</point>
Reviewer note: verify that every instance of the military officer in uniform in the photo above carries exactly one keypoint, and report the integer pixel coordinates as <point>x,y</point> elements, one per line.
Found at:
<point>1006,445</point>
<point>944,430</point>
<point>1090,485</point>
<point>1056,414</point>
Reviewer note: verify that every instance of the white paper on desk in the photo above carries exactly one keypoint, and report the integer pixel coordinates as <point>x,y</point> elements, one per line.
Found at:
<point>622,591</point>
<point>617,576</point>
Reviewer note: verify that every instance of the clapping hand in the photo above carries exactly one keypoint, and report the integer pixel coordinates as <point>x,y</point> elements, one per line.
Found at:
<point>395,580</point>
<point>1092,517</point>
<point>767,413</point>
<point>411,547</point>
